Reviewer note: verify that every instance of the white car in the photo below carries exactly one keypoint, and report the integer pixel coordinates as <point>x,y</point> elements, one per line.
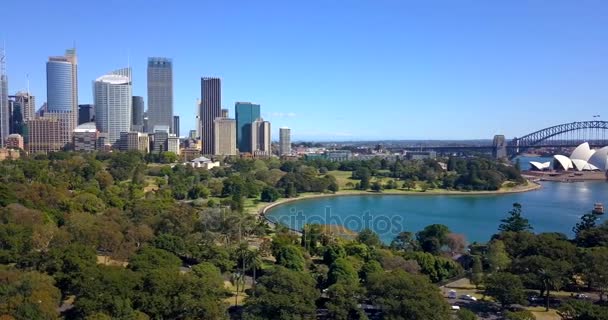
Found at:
<point>468,297</point>
<point>456,308</point>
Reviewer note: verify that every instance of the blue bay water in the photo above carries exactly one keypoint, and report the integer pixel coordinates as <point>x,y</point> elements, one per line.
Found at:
<point>556,207</point>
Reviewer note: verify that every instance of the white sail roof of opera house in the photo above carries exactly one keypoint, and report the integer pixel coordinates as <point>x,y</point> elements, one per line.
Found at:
<point>563,161</point>
<point>600,159</point>
<point>582,152</point>
<point>540,165</point>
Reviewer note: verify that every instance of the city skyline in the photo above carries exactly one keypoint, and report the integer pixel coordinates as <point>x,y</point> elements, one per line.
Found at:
<point>440,64</point>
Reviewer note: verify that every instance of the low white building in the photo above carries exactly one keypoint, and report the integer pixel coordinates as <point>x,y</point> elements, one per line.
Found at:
<point>203,162</point>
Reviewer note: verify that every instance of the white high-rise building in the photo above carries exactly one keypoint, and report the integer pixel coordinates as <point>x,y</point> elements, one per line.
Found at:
<point>284,141</point>
<point>160,93</point>
<point>260,138</point>
<point>113,103</point>
<point>4,109</point>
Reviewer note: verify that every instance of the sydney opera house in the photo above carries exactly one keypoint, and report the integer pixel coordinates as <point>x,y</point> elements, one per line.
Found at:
<point>583,158</point>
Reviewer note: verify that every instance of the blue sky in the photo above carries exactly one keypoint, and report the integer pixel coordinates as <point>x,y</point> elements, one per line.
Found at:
<point>345,70</point>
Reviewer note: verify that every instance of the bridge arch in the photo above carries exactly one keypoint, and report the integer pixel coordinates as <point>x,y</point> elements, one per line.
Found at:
<point>582,131</point>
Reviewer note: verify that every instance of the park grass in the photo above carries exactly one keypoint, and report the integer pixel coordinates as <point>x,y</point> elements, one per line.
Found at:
<point>541,314</point>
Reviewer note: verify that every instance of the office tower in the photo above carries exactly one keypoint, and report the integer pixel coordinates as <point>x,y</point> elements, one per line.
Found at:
<point>27,103</point>
<point>137,123</point>
<point>85,137</point>
<point>284,141</point>
<point>210,108</point>
<point>134,141</point>
<point>160,139</point>
<point>225,113</point>
<point>62,91</point>
<point>176,125</point>
<point>173,144</point>
<point>44,134</point>
<point>160,92</point>
<point>86,113</point>
<point>113,99</point>
<point>245,114</point>
<point>4,109</point>
<point>192,134</point>
<point>14,141</point>
<point>16,123</point>
<point>260,138</point>
<point>224,137</point>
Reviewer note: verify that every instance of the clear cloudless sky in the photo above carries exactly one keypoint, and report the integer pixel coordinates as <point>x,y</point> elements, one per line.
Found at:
<point>338,70</point>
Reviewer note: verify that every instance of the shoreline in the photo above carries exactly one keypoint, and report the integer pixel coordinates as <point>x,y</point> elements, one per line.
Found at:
<point>531,186</point>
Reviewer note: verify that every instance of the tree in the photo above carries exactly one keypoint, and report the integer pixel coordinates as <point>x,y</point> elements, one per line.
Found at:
<point>476,275</point>
<point>515,222</point>
<point>595,269</point>
<point>506,288</point>
<point>519,315</point>
<point>456,242</point>
<point>405,241</point>
<point>28,295</point>
<point>150,258</point>
<point>343,301</point>
<point>582,310</point>
<point>433,237</point>
<point>376,186</point>
<point>289,256</point>
<point>543,273</point>
<point>269,194</point>
<point>369,238</point>
<point>465,314</point>
<point>497,256</point>
<point>364,184</point>
<point>282,294</point>
<point>409,184</point>
<point>405,296</point>
<point>588,222</point>
<point>342,271</point>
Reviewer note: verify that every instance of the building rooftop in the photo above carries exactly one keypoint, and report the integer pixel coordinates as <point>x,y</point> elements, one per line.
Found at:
<point>86,127</point>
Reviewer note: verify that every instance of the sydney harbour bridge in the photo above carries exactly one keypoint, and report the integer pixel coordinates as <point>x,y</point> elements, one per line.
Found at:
<point>565,135</point>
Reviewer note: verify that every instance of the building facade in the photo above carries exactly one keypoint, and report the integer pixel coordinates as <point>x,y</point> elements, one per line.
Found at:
<point>135,141</point>
<point>113,99</point>
<point>44,134</point>
<point>260,138</point>
<point>137,123</point>
<point>160,92</point>
<point>14,141</point>
<point>284,141</point>
<point>27,103</point>
<point>173,144</point>
<point>160,139</point>
<point>86,113</point>
<point>224,136</point>
<point>209,109</point>
<point>245,113</point>
<point>176,125</point>
<point>85,137</point>
<point>62,91</point>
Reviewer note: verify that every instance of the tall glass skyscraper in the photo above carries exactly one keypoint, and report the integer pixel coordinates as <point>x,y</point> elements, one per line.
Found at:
<point>284,141</point>
<point>62,91</point>
<point>209,109</point>
<point>137,123</point>
<point>113,104</point>
<point>160,93</point>
<point>246,113</point>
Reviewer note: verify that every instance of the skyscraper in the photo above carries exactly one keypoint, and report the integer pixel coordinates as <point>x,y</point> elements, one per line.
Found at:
<point>44,134</point>
<point>86,113</point>
<point>137,123</point>
<point>224,136</point>
<point>160,92</point>
<point>210,108</point>
<point>27,103</point>
<point>246,113</point>
<point>113,99</point>
<point>260,138</point>
<point>4,110</point>
<point>284,141</point>
<point>62,92</point>
<point>176,125</point>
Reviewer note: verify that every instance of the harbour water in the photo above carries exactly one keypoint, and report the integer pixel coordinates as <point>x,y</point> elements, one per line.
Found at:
<point>556,207</point>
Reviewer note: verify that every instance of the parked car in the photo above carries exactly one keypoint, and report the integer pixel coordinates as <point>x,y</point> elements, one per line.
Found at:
<point>582,296</point>
<point>452,294</point>
<point>468,297</point>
